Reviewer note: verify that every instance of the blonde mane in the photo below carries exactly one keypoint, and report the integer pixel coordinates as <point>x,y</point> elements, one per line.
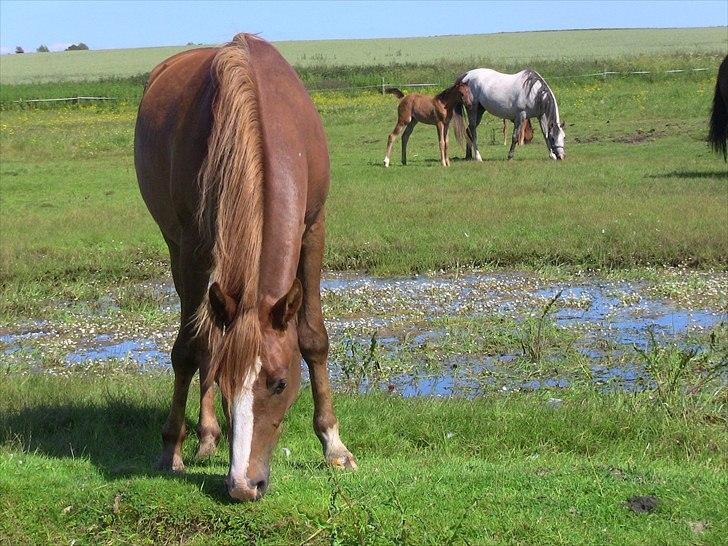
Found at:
<point>231,186</point>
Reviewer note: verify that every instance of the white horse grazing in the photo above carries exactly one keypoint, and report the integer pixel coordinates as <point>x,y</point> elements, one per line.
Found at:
<point>517,97</point>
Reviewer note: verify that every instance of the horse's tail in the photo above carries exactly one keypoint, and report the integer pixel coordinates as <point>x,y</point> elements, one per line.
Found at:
<point>231,184</point>
<point>394,91</point>
<point>718,132</point>
<point>458,121</point>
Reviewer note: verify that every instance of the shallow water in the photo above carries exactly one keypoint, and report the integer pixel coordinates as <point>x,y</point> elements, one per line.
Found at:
<point>401,318</point>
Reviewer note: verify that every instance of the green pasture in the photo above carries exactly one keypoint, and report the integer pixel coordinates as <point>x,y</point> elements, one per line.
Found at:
<point>76,457</point>
<point>639,187</point>
<point>508,48</point>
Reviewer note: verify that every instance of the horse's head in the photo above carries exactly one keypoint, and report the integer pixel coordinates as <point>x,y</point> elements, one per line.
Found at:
<point>466,96</point>
<point>556,137</point>
<point>258,402</point>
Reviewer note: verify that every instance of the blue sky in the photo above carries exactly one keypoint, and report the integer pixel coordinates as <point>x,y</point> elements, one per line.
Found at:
<point>120,24</point>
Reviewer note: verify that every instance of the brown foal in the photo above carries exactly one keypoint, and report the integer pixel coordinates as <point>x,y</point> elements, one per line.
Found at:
<point>438,110</point>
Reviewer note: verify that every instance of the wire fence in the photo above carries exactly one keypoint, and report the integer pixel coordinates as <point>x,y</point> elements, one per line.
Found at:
<point>604,74</point>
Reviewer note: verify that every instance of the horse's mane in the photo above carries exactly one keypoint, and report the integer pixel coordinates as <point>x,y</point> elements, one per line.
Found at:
<point>545,100</point>
<point>231,206</point>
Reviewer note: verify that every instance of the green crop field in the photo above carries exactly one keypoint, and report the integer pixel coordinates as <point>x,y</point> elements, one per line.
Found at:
<point>508,48</point>
<point>640,199</point>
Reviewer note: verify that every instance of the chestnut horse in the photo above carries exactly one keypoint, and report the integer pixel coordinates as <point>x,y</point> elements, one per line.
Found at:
<point>232,163</point>
<point>438,110</point>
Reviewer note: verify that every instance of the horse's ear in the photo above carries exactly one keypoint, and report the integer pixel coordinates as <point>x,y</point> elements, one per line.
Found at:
<point>287,307</point>
<point>223,307</point>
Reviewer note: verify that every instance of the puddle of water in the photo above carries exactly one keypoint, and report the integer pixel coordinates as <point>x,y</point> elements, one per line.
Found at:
<point>140,351</point>
<point>619,320</point>
<point>609,317</point>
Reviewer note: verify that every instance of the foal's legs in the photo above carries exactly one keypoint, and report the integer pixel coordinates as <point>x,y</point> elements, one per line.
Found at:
<point>405,139</point>
<point>314,344</point>
<point>441,141</point>
<point>445,131</point>
<point>190,280</point>
<point>392,136</point>
<point>518,126</point>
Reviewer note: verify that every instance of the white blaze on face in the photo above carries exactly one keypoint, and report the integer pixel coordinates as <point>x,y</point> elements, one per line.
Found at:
<point>243,425</point>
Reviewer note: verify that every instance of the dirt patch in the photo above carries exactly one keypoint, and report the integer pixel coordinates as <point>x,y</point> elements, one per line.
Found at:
<point>640,136</point>
<point>642,504</point>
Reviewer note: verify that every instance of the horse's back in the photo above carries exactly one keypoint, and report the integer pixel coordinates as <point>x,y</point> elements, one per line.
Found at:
<point>500,94</point>
<point>294,142</point>
<point>172,127</point>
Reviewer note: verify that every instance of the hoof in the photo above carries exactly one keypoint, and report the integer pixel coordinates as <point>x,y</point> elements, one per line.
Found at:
<point>205,450</point>
<point>170,464</point>
<point>345,461</point>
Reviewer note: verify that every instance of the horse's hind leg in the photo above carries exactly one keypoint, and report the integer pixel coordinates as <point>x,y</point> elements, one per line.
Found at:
<point>390,140</point>
<point>471,147</point>
<point>405,139</point>
<point>314,344</point>
<point>190,280</point>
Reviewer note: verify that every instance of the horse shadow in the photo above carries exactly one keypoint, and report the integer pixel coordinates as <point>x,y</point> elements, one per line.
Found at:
<point>120,439</point>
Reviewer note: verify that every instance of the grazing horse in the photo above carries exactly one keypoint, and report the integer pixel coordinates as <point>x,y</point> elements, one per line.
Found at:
<point>525,136</point>
<point>718,134</point>
<point>517,97</point>
<point>232,163</point>
<point>438,110</point>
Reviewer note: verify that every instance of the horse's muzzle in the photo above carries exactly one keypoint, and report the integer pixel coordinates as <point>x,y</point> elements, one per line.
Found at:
<point>246,490</point>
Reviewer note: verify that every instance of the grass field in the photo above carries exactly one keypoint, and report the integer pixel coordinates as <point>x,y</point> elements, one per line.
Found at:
<point>639,187</point>
<point>639,190</point>
<point>499,49</point>
<point>508,469</point>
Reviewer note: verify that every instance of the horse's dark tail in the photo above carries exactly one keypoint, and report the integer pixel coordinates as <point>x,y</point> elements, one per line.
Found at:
<point>718,133</point>
<point>394,91</point>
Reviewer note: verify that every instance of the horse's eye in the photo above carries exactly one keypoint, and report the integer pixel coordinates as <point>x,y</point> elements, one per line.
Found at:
<point>279,386</point>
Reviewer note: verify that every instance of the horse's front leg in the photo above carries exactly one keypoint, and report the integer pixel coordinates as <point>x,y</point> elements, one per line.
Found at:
<point>544,123</point>
<point>190,279</point>
<point>446,130</point>
<point>313,342</point>
<point>441,142</point>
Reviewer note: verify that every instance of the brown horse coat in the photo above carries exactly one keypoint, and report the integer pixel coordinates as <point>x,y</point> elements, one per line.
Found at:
<point>232,163</point>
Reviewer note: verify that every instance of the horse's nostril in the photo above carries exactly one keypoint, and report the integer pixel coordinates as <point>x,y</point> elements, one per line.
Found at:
<point>261,486</point>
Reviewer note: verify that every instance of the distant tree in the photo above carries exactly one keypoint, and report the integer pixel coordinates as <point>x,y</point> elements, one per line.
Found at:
<point>19,50</point>
<point>77,47</point>
<point>42,49</point>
